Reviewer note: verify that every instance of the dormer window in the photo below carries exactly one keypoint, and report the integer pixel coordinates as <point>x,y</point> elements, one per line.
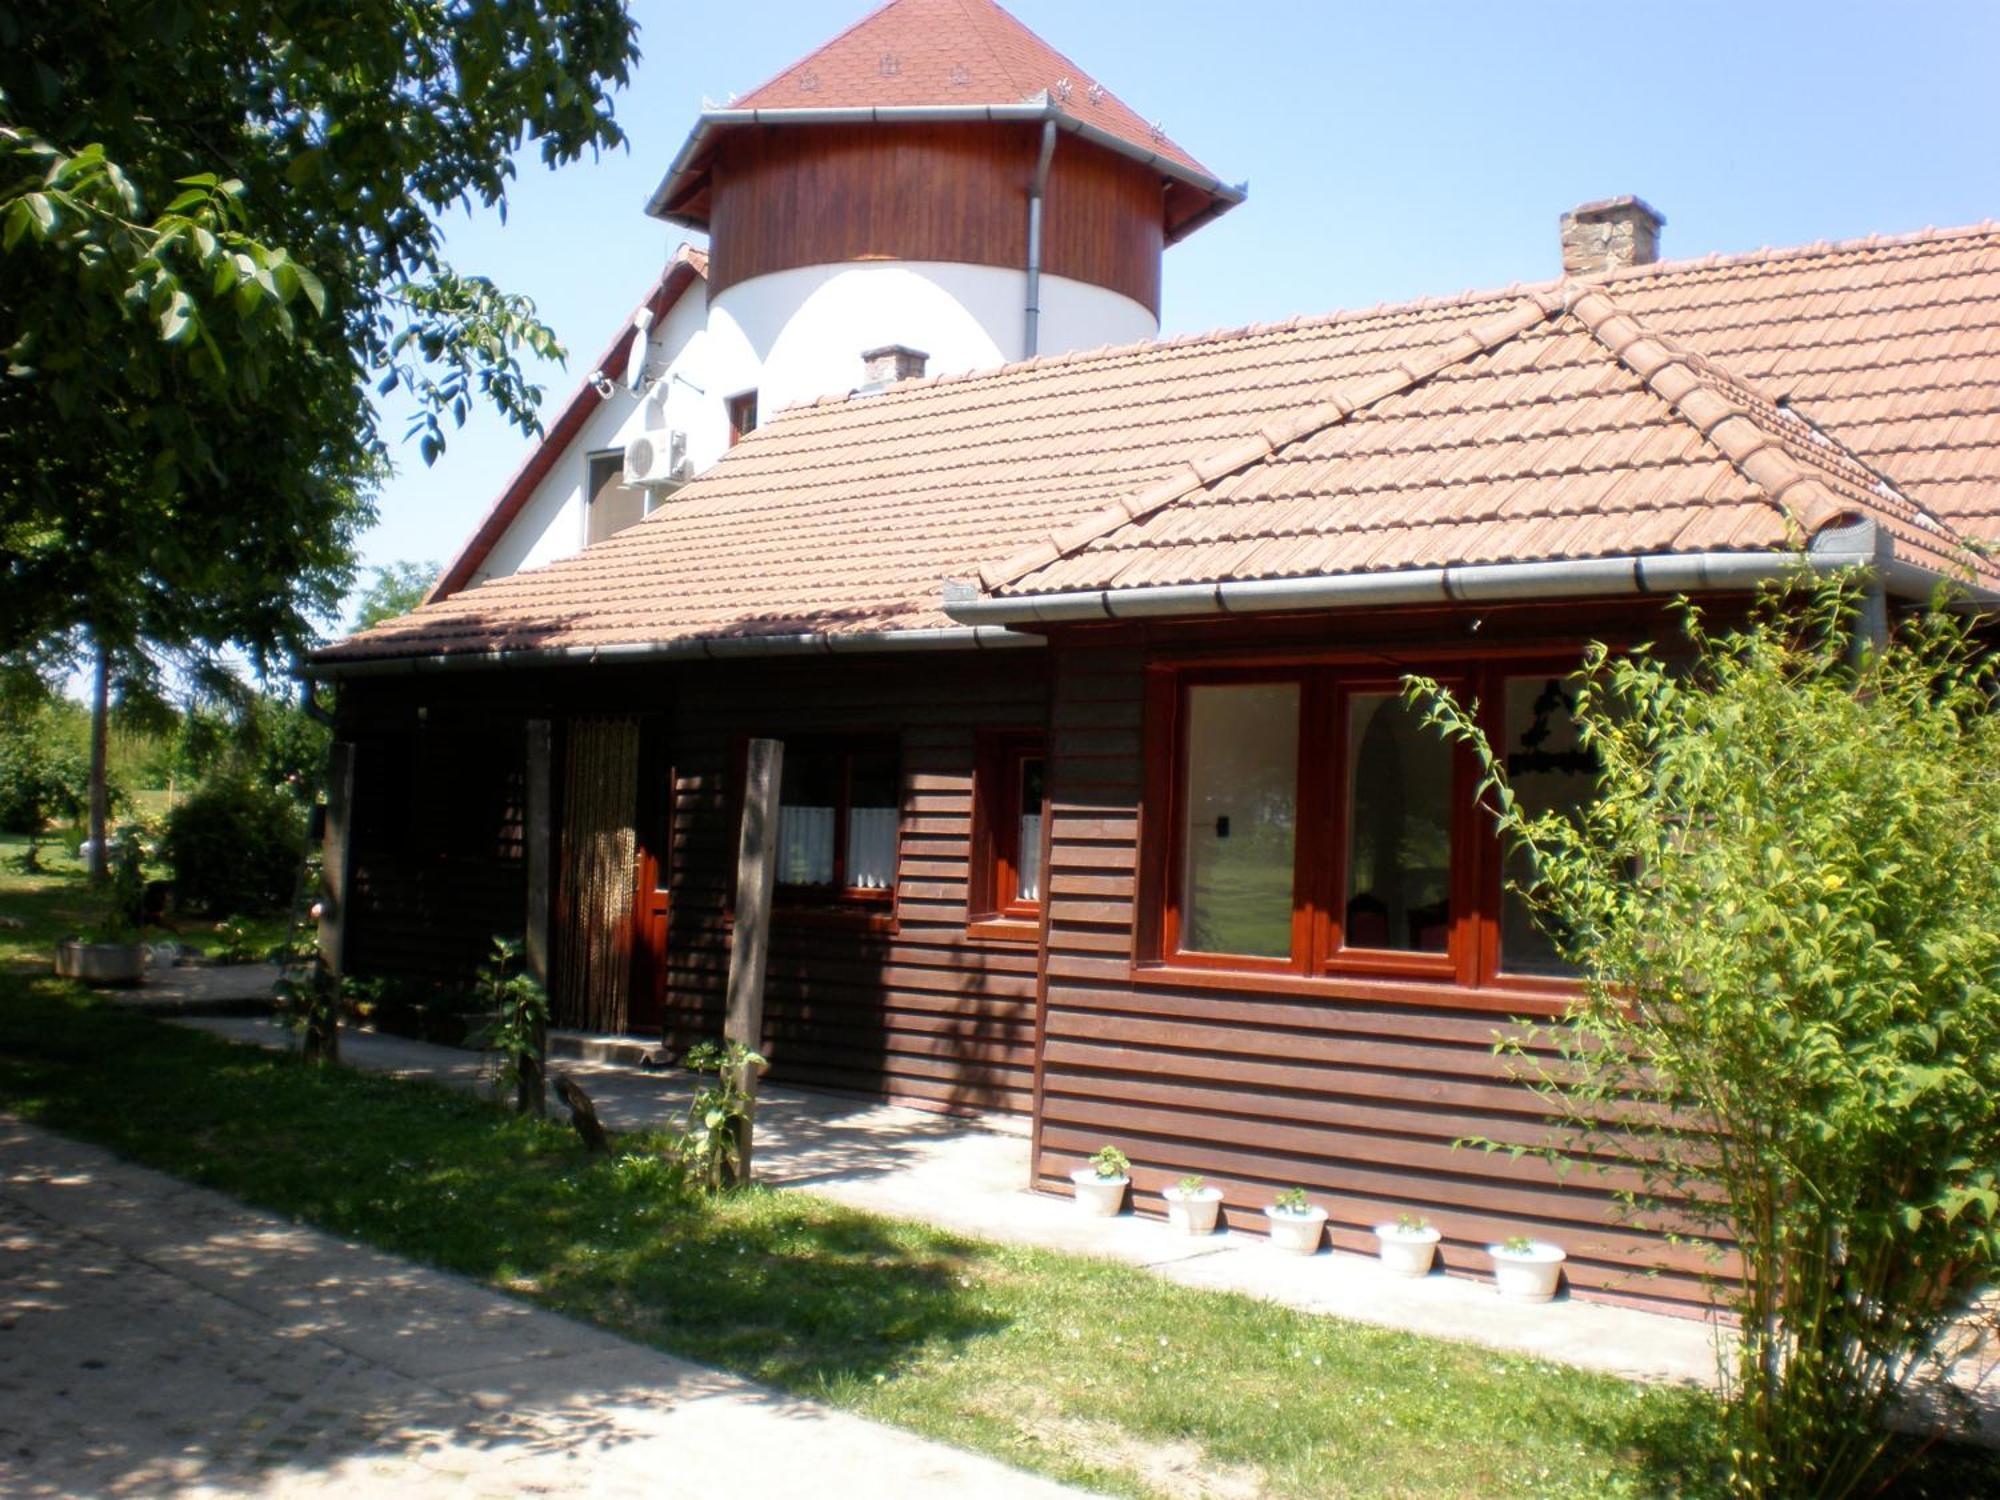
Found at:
<point>610,505</point>
<point>742,416</point>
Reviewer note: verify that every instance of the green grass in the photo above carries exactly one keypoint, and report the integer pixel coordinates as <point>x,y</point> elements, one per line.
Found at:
<point>1085,1370</point>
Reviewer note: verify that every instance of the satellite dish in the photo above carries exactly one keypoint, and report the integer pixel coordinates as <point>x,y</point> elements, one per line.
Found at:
<point>635,359</point>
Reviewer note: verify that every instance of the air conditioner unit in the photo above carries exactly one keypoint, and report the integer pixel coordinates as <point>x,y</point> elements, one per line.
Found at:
<point>657,460</point>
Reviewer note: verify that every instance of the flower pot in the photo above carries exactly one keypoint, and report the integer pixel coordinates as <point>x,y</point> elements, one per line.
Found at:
<point>108,964</point>
<point>1298,1234</point>
<point>1528,1275</point>
<point>1193,1213</point>
<point>1406,1252</point>
<point>1098,1197</point>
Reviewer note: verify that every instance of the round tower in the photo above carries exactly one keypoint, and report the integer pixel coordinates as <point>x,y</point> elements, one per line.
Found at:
<point>937,178</point>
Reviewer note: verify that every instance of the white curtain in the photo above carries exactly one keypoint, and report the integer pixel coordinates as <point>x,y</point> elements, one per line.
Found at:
<point>1029,878</point>
<point>805,846</point>
<point>871,848</point>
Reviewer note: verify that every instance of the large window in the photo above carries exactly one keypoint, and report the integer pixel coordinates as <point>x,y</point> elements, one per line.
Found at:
<point>1311,823</point>
<point>1006,870</point>
<point>610,505</point>
<point>839,817</point>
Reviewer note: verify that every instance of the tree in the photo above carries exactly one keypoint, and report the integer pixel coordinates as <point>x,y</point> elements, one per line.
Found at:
<point>218,228</point>
<point>398,588</point>
<point>1785,904</point>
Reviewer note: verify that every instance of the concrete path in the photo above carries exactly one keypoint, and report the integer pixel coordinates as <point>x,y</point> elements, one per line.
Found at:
<point>158,1338</point>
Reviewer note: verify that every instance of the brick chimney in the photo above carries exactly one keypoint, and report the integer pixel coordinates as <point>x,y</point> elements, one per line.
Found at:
<point>891,363</point>
<point>1615,232</point>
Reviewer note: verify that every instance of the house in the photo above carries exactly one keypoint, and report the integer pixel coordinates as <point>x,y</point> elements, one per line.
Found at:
<point>1099,805</point>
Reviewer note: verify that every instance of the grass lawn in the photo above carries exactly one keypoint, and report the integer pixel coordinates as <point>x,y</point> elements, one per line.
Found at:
<point>1085,1370</point>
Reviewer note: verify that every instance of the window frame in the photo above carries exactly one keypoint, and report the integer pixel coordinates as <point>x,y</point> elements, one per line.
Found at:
<point>740,413</point>
<point>838,897</point>
<point>995,852</point>
<point>590,461</point>
<point>1469,971</point>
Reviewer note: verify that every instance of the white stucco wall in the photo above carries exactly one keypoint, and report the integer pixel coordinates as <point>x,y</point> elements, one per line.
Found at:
<point>794,336</point>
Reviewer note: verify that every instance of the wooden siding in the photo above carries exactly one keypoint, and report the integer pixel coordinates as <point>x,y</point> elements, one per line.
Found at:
<point>792,197</point>
<point>913,1008</point>
<point>1359,1100</point>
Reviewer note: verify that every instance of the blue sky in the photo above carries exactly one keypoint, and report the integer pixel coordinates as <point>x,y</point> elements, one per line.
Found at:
<point>1392,151</point>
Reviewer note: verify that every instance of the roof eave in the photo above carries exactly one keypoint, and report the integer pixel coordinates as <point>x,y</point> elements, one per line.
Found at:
<point>691,162</point>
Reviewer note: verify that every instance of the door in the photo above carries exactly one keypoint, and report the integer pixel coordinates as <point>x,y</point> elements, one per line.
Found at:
<point>652,895</point>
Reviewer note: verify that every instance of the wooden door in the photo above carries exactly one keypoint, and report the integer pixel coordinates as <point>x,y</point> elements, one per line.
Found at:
<point>652,895</point>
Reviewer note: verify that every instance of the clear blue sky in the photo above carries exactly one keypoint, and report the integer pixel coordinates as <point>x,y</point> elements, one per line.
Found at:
<point>1393,150</point>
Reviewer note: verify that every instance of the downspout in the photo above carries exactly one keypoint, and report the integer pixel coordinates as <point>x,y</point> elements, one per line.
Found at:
<point>1031,344</point>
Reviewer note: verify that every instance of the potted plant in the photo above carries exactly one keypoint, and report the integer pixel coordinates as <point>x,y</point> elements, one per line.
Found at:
<point>1526,1270</point>
<point>1192,1206</point>
<point>1407,1247</point>
<point>1295,1222</point>
<point>108,951</point>
<point>1100,1187</point>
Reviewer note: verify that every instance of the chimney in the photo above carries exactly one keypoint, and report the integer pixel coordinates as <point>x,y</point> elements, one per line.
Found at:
<point>1604,236</point>
<point>891,363</point>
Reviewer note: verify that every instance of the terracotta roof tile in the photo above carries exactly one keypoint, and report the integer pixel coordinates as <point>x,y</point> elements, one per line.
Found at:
<point>1564,420</point>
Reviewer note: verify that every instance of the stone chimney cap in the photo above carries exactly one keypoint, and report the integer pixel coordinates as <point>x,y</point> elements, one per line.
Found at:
<point>1610,233</point>
<point>893,362</point>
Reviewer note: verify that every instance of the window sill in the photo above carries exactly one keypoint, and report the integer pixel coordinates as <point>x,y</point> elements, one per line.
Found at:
<point>1539,1000</point>
<point>873,918</point>
<point>1005,929</point>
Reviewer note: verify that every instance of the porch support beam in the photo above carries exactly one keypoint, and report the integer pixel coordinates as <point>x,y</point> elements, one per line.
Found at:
<point>756,870</point>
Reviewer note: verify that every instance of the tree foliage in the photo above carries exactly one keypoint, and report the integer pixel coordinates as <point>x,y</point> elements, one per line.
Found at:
<point>1785,902</point>
<point>398,588</point>
<point>219,227</point>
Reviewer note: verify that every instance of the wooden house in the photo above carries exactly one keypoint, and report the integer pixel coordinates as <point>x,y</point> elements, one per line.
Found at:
<point>1099,804</point>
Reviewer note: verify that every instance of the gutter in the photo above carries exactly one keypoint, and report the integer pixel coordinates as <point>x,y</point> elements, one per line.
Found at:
<point>714,648</point>
<point>1031,343</point>
<point>1472,583</point>
<point>1040,107</point>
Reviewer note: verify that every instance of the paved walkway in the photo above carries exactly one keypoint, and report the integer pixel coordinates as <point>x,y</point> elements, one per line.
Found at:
<point>159,1338</point>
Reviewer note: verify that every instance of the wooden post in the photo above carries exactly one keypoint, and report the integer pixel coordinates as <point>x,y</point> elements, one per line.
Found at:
<point>322,1037</point>
<point>756,870</point>
<point>538,818</point>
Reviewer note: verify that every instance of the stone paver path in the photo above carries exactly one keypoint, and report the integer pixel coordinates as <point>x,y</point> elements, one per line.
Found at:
<point>158,1338</point>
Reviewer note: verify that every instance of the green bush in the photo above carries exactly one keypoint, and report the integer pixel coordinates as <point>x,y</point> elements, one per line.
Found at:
<point>234,847</point>
<point>1785,903</point>
<point>44,775</point>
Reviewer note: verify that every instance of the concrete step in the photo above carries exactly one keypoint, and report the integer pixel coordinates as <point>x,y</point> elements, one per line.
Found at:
<point>591,1046</point>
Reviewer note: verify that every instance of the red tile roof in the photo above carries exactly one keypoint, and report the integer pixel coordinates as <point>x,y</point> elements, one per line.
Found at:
<point>957,52</point>
<point>686,267</point>
<point>1722,405</point>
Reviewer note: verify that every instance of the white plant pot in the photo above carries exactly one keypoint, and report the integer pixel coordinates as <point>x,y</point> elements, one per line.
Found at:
<point>1528,1275</point>
<point>1099,1197</point>
<point>1297,1234</point>
<point>1193,1213</point>
<point>1406,1252</point>
<point>120,964</point>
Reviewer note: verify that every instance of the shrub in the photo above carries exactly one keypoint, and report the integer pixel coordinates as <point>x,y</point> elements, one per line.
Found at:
<point>1785,903</point>
<point>44,776</point>
<point>234,846</point>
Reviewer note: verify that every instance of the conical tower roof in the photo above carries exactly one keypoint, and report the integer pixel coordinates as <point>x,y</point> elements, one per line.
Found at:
<point>913,60</point>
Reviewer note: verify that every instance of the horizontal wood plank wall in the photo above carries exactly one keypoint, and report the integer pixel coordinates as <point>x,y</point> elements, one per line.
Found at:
<point>1360,1103</point>
<point>828,195</point>
<point>923,1013</point>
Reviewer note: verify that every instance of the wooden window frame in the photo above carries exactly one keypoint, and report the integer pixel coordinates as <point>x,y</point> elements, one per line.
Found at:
<point>995,854</point>
<point>1469,971</point>
<point>740,410</point>
<point>839,898</point>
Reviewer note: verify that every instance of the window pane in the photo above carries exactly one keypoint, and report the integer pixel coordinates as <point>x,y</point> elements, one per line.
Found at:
<point>1551,772</point>
<point>874,785</point>
<point>613,507</point>
<point>1028,856</point>
<point>1242,801</point>
<point>808,802</point>
<point>1399,828</point>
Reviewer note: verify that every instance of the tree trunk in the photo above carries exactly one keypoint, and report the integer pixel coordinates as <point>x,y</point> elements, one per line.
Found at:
<point>100,791</point>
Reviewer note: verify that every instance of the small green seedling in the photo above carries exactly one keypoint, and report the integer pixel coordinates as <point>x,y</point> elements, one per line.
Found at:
<point>1517,1244</point>
<point>1412,1223</point>
<point>1189,1186</point>
<point>1294,1201</point>
<point>1111,1163</point>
